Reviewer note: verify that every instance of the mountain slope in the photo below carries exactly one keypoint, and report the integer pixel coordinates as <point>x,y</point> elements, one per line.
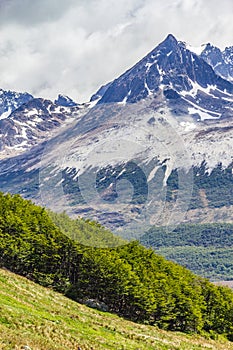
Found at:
<point>162,160</point>
<point>42,319</point>
<point>94,147</point>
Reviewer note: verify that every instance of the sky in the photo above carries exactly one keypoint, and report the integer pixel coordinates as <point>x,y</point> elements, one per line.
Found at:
<point>73,47</point>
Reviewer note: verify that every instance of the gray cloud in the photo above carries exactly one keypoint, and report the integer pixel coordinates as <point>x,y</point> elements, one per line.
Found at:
<point>32,13</point>
<point>73,47</point>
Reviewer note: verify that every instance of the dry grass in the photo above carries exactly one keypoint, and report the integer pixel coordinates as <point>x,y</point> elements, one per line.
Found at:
<point>44,320</point>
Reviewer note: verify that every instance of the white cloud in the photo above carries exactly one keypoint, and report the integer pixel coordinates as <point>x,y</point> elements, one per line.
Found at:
<point>51,46</point>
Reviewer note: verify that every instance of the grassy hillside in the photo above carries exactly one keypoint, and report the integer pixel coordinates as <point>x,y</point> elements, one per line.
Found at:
<point>205,249</point>
<point>45,320</point>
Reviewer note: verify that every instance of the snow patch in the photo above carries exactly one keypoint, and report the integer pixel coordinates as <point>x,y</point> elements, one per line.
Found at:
<point>123,102</point>
<point>152,174</point>
<point>196,87</point>
<point>187,126</point>
<point>148,90</point>
<point>31,112</point>
<point>203,114</point>
<point>148,65</point>
<point>195,49</point>
<point>6,114</point>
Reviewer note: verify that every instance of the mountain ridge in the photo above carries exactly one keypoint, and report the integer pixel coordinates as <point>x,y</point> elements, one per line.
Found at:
<point>183,125</point>
<point>179,74</point>
<point>220,60</point>
<point>171,74</point>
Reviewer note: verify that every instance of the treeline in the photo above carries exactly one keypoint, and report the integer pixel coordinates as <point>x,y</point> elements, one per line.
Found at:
<point>205,249</point>
<point>131,280</point>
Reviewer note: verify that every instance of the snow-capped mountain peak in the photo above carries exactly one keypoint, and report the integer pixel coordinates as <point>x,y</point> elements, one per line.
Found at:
<point>189,81</point>
<point>175,75</point>
<point>66,101</point>
<point>11,100</point>
<point>33,122</point>
<point>220,61</point>
<point>142,128</point>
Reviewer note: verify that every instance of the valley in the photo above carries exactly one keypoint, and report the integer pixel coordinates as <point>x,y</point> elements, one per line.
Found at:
<point>124,202</point>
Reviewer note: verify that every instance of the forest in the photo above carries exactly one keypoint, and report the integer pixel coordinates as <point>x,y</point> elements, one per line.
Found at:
<point>129,279</point>
<point>206,249</point>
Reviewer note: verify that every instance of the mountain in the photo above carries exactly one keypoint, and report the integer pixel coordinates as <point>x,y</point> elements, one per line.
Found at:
<point>181,77</point>
<point>34,120</point>
<point>130,167</point>
<point>11,100</point>
<point>65,101</point>
<point>220,61</point>
<point>153,147</point>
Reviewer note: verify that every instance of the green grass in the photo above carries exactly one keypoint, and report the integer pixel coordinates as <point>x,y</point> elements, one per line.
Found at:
<point>42,319</point>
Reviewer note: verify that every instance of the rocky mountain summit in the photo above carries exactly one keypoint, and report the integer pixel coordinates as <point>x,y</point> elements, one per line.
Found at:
<point>172,72</point>
<point>220,61</point>
<point>26,121</point>
<point>11,100</point>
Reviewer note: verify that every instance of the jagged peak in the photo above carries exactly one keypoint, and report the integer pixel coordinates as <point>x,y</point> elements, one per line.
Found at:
<point>169,42</point>
<point>171,37</point>
<point>63,100</point>
<point>210,46</point>
<point>228,48</point>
